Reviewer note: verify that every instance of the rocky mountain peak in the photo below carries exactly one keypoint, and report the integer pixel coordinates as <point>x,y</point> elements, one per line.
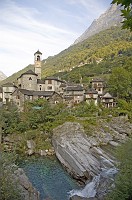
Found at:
<point>112,17</point>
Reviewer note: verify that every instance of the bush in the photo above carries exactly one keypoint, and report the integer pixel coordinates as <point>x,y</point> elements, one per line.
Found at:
<point>8,186</point>
<point>123,182</point>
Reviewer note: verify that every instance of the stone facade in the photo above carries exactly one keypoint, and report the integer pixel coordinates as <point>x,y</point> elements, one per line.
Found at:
<point>73,94</point>
<point>91,95</point>
<point>28,80</point>
<point>108,101</point>
<point>98,85</point>
<point>7,90</point>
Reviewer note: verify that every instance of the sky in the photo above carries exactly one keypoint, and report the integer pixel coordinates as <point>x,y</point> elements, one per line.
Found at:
<point>48,25</point>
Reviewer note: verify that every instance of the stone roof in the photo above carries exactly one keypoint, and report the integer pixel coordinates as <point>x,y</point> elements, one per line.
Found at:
<point>91,91</point>
<point>8,85</point>
<point>97,80</point>
<point>36,93</point>
<point>26,92</point>
<point>54,78</point>
<point>107,96</point>
<point>74,88</point>
<point>43,93</point>
<point>28,72</point>
<point>39,81</point>
<point>68,98</point>
<point>63,85</point>
<point>37,52</point>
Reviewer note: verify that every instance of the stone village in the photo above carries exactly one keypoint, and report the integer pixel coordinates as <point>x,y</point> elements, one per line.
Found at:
<point>30,87</point>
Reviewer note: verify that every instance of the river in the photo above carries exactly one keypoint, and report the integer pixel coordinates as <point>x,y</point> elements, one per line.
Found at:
<point>49,178</point>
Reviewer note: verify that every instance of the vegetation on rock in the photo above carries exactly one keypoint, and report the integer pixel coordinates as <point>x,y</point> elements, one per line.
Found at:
<point>8,185</point>
<point>123,183</point>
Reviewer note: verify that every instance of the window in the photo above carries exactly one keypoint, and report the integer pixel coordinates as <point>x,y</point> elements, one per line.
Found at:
<point>30,79</point>
<point>95,85</point>
<point>40,87</point>
<point>49,87</point>
<point>49,81</point>
<point>38,58</point>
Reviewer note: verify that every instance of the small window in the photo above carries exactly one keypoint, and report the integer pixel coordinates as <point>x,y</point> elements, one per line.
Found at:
<point>30,78</point>
<point>49,87</point>
<point>49,81</point>
<point>38,58</point>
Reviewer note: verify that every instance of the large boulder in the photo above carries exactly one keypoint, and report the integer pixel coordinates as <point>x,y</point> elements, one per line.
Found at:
<point>28,192</point>
<point>81,155</point>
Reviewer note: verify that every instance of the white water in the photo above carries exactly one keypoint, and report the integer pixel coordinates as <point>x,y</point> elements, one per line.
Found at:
<point>90,189</point>
<point>108,172</point>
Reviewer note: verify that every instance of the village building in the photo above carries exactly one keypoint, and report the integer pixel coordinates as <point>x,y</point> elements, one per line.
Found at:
<point>98,85</point>
<point>53,84</point>
<point>108,101</point>
<point>7,90</point>
<point>30,87</point>
<point>73,94</point>
<point>20,96</point>
<point>91,95</point>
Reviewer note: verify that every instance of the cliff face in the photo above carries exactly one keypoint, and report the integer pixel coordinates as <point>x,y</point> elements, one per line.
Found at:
<point>110,18</point>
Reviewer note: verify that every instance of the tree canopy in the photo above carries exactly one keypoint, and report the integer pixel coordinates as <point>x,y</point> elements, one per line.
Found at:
<point>126,12</point>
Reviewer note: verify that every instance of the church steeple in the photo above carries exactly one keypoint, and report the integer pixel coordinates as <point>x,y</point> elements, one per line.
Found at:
<point>37,63</point>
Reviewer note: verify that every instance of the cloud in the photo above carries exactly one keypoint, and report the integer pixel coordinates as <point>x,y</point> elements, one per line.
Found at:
<point>22,33</point>
<point>50,26</point>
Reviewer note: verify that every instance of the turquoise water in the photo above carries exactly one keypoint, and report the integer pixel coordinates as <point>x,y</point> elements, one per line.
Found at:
<point>49,178</point>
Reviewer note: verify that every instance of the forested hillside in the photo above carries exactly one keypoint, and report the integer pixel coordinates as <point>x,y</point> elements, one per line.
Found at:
<point>99,53</point>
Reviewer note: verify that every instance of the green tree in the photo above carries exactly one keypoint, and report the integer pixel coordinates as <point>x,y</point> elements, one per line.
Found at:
<point>126,12</point>
<point>120,82</point>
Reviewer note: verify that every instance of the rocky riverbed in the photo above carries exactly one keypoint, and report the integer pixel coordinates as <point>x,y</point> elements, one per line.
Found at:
<point>84,157</point>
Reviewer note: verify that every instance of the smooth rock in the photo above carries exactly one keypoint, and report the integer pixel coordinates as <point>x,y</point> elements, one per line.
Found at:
<point>28,192</point>
<point>30,152</point>
<point>30,144</point>
<point>75,151</point>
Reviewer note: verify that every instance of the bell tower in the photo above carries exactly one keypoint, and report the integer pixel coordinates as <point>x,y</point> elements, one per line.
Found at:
<point>37,63</point>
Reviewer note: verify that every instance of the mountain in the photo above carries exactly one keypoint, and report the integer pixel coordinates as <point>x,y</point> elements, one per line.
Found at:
<point>110,18</point>
<point>2,76</point>
<point>98,54</point>
<point>107,42</point>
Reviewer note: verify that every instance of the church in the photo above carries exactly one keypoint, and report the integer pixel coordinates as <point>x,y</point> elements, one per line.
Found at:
<point>30,86</point>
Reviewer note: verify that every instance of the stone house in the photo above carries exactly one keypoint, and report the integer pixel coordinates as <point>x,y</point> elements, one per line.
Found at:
<point>91,95</point>
<point>73,94</point>
<point>98,85</point>
<point>20,96</point>
<point>108,101</point>
<point>53,84</point>
<point>7,90</point>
